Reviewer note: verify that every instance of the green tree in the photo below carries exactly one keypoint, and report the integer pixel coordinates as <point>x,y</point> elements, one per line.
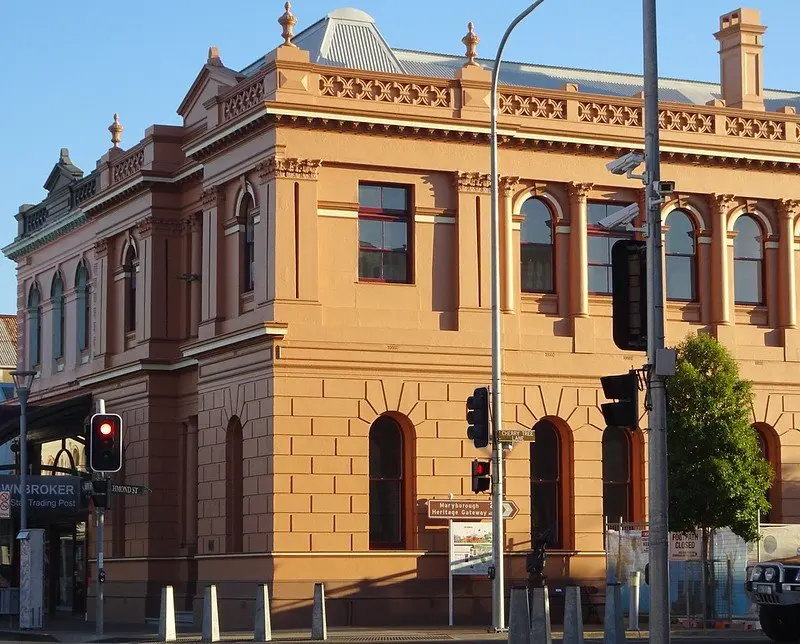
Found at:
<point>717,476</point>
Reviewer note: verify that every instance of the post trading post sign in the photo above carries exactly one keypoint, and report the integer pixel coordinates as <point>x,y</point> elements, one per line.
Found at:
<point>47,495</point>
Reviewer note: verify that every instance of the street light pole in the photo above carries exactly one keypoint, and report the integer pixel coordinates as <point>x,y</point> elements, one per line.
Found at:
<point>657,412</point>
<point>23,381</point>
<point>498,541</point>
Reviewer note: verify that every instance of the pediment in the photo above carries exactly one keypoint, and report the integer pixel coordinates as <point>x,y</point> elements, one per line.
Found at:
<point>63,173</point>
<point>213,79</point>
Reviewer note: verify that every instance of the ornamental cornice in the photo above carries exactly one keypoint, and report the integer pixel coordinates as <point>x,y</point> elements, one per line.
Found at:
<point>472,182</point>
<point>722,203</point>
<point>288,168</point>
<point>21,247</point>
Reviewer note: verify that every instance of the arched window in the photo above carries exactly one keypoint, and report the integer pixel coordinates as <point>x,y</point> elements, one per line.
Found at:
<point>769,445</point>
<point>57,300</point>
<point>536,251</point>
<point>680,260</point>
<point>617,490</point>
<point>547,484</point>
<point>247,215</point>
<point>35,325</point>
<point>234,485</point>
<point>387,483</point>
<point>131,265</point>
<point>748,261</point>
<point>84,307</point>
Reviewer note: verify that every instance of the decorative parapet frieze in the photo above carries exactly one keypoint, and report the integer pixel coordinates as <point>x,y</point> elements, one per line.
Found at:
<point>472,182</point>
<point>149,225</point>
<point>609,113</point>
<point>127,166</point>
<point>283,168</point>
<point>101,248</point>
<point>386,91</point>
<point>520,104</point>
<point>243,100</point>
<point>754,128</point>
<point>686,121</point>
<point>579,191</point>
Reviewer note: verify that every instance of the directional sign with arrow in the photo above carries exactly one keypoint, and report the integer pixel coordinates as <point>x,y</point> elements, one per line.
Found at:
<point>510,510</point>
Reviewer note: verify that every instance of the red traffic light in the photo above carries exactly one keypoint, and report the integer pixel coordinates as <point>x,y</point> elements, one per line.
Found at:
<point>481,469</point>
<point>106,429</point>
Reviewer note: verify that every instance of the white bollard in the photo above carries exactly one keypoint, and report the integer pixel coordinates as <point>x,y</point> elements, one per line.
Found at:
<point>633,601</point>
<point>319,624</point>
<point>541,633</point>
<point>166,620</point>
<point>263,629</point>
<point>573,616</point>
<point>519,617</point>
<point>613,632</point>
<point>210,615</point>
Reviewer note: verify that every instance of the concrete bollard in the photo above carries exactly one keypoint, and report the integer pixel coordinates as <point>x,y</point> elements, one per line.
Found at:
<point>519,617</point>
<point>166,620</point>
<point>633,601</point>
<point>319,624</point>
<point>613,632</point>
<point>263,627</point>
<point>541,633</point>
<point>210,615</point>
<point>573,616</point>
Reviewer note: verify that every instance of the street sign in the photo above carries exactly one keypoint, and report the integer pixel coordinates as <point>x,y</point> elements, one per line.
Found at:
<point>515,435</point>
<point>5,504</point>
<point>468,509</point>
<point>510,510</point>
<point>135,490</point>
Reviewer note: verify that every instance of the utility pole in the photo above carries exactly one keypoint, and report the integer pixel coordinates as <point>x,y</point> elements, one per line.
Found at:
<point>101,523</point>
<point>657,408</point>
<point>498,540</point>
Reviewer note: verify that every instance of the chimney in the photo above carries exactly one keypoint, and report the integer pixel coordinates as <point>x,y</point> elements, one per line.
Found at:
<point>740,58</point>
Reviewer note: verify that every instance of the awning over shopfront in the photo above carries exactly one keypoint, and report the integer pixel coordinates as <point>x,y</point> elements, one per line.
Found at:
<point>47,422</point>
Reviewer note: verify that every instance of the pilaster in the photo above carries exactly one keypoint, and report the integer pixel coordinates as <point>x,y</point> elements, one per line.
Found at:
<point>100,295</point>
<point>788,210</point>
<point>720,206</point>
<point>193,224</point>
<point>210,309</point>
<point>507,186</point>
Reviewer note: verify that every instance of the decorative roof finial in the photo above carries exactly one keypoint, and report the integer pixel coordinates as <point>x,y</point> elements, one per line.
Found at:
<point>116,131</point>
<point>471,41</point>
<point>287,21</point>
<point>213,57</point>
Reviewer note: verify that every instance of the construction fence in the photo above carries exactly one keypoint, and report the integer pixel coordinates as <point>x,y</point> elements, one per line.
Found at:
<point>716,590</point>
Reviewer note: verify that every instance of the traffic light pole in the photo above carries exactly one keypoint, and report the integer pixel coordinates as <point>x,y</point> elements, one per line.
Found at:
<point>101,524</point>
<point>498,540</point>
<point>657,416</point>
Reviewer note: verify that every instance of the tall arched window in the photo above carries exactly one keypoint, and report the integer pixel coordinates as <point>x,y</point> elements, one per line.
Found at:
<point>769,445</point>
<point>34,326</point>
<point>617,490</point>
<point>748,261</point>
<point>681,257</point>
<point>547,484</point>
<point>57,300</point>
<point>536,252</point>
<point>387,483</point>
<point>246,215</point>
<point>234,485</point>
<point>83,306</point>
<point>131,265</point>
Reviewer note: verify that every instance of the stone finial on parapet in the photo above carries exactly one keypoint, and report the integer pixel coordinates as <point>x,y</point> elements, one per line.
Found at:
<point>471,41</point>
<point>116,131</point>
<point>213,57</point>
<point>287,21</point>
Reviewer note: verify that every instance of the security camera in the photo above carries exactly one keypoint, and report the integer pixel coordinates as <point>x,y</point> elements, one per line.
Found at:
<point>620,218</point>
<point>665,188</point>
<point>626,164</point>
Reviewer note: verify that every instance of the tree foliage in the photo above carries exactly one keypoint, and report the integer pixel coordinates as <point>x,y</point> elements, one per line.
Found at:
<point>717,475</point>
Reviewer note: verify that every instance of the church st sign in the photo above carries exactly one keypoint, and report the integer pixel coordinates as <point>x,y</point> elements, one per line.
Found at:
<point>47,495</point>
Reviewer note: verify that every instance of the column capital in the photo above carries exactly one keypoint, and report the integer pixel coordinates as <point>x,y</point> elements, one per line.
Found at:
<point>722,203</point>
<point>284,168</point>
<point>149,225</point>
<point>508,184</point>
<point>212,197</point>
<point>788,208</point>
<point>101,247</point>
<point>579,190</point>
<point>472,182</point>
<point>192,223</point>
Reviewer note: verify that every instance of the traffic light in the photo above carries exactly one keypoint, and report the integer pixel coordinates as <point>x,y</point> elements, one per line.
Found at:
<point>478,417</point>
<point>105,443</point>
<point>481,475</point>
<point>625,390</point>
<point>629,294</point>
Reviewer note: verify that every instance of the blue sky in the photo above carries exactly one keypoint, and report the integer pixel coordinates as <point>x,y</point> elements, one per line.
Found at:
<point>70,67</point>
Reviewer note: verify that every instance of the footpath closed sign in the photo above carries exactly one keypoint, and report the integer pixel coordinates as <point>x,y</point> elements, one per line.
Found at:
<point>685,547</point>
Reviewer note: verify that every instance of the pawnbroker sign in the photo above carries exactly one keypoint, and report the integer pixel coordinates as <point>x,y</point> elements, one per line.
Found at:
<point>47,495</point>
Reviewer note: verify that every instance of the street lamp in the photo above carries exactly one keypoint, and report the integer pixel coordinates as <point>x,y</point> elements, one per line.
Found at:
<point>23,381</point>
<point>498,605</point>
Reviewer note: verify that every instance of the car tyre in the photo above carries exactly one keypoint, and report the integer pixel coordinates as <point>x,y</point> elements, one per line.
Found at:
<point>779,623</point>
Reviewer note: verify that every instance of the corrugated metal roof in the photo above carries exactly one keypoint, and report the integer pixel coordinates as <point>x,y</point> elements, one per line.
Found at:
<point>8,341</point>
<point>349,38</point>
